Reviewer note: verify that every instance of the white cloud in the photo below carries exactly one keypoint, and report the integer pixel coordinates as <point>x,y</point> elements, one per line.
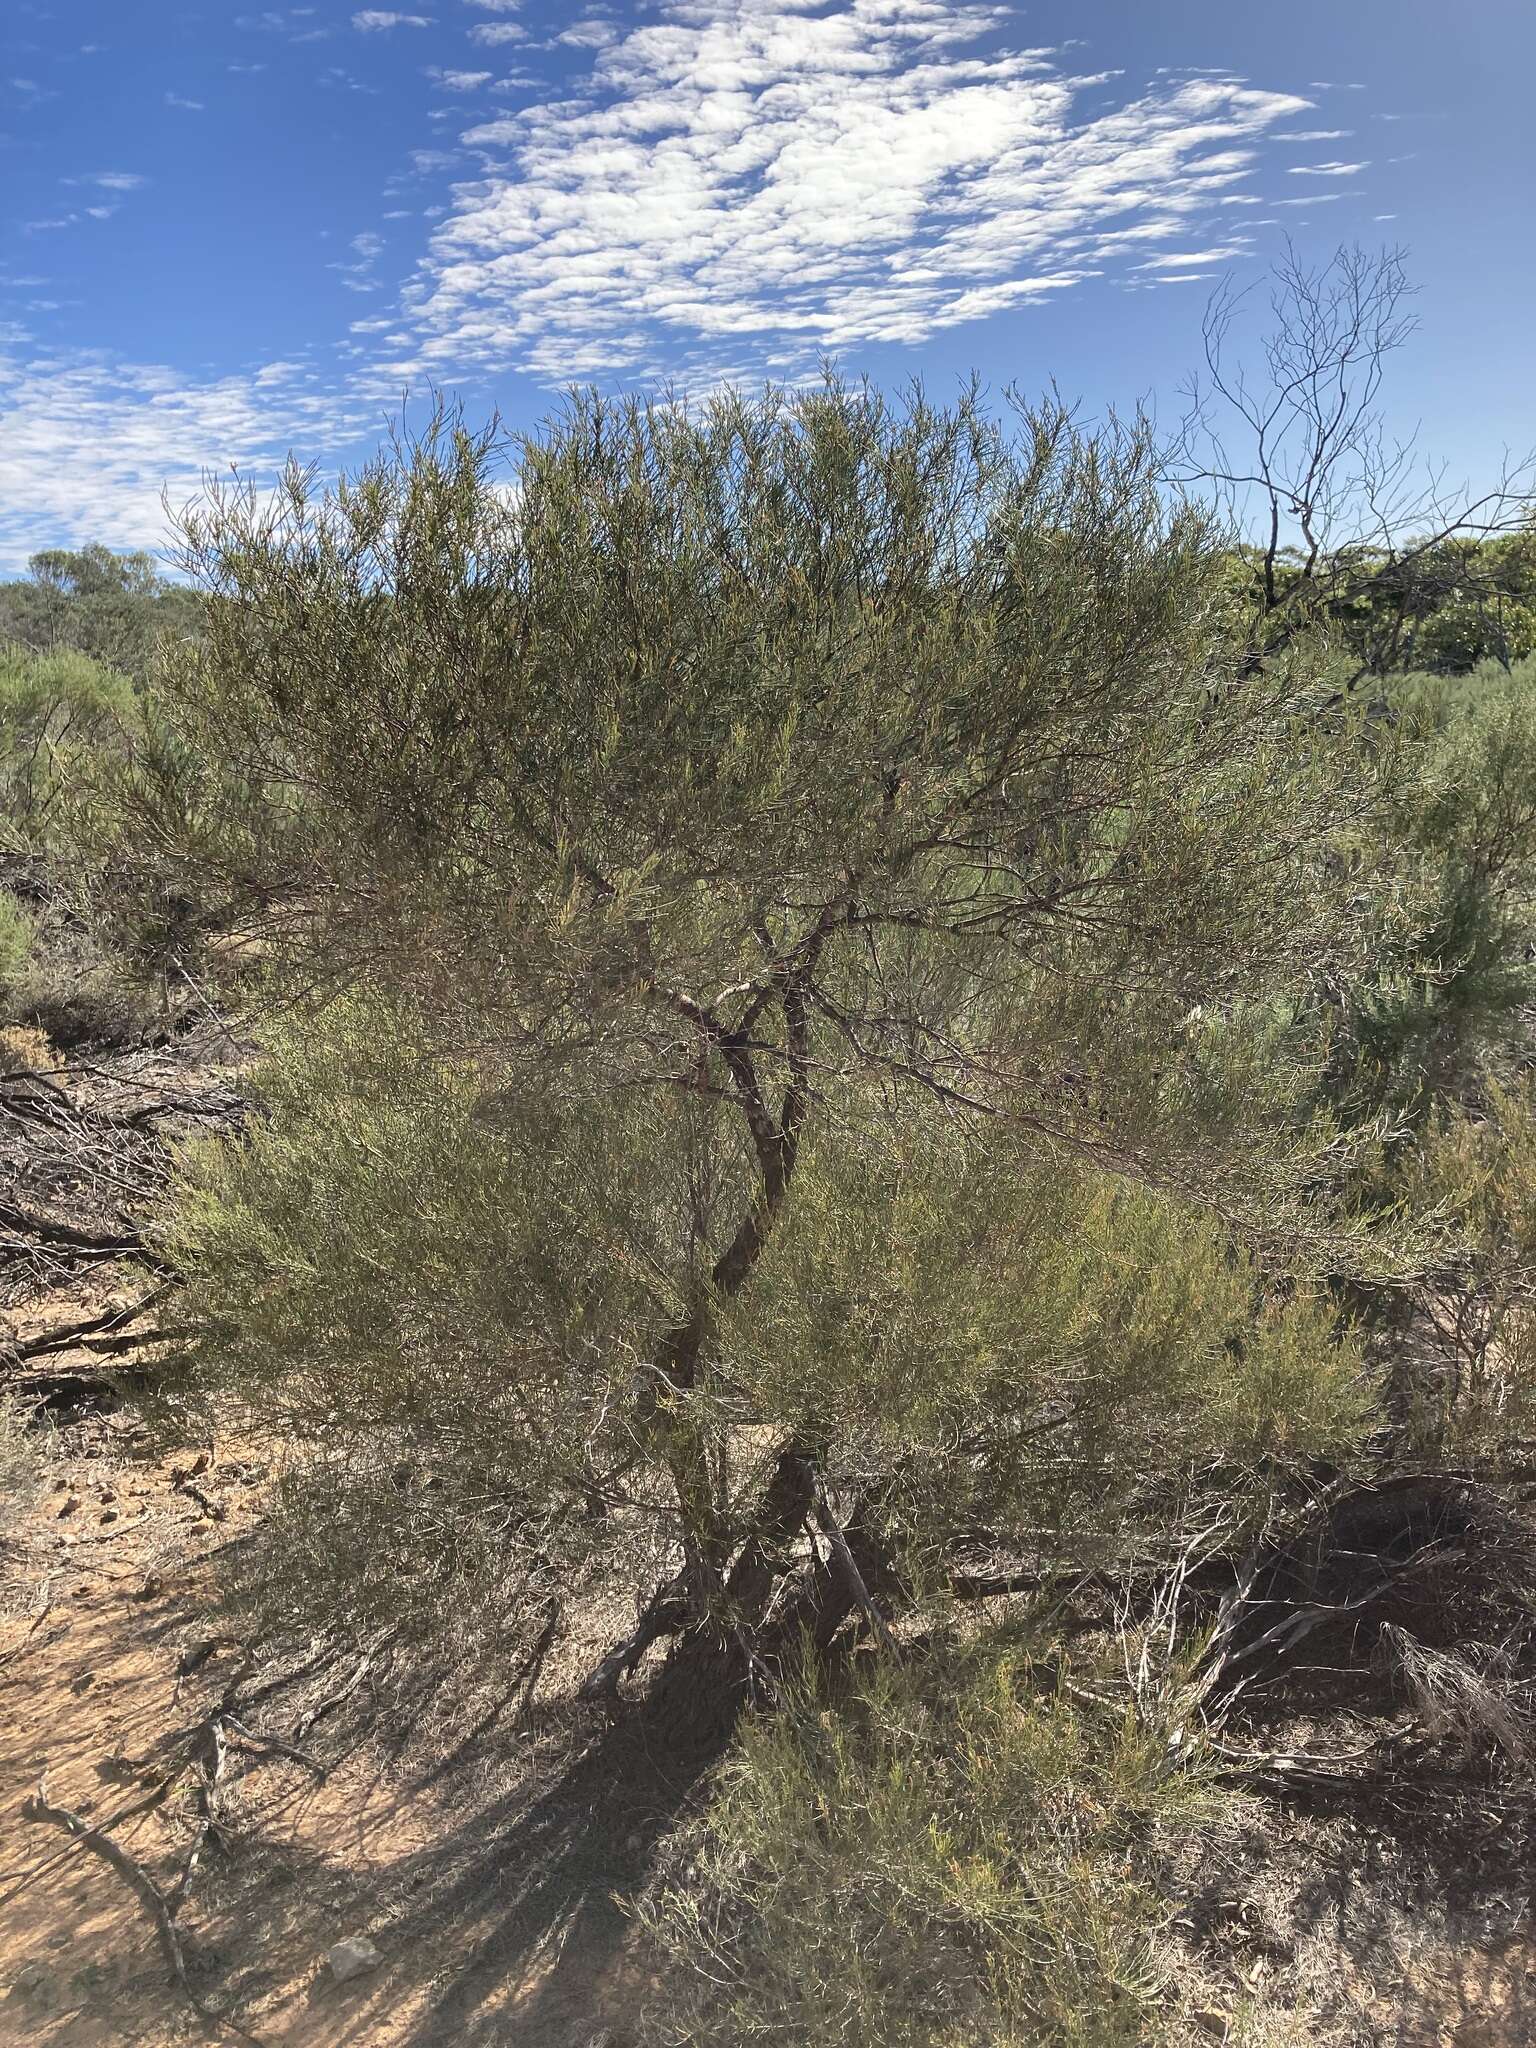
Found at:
<point>1326,170</point>
<point>491,34</point>
<point>773,178</point>
<point>336,78</point>
<point>372,19</point>
<point>87,446</point>
<point>358,276</point>
<point>173,99</point>
<point>292,23</point>
<point>727,189</point>
<point>1196,260</point>
<point>1312,134</point>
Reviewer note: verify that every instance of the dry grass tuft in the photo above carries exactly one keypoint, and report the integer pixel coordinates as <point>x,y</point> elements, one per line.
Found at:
<point>25,1050</point>
<point>1471,1698</point>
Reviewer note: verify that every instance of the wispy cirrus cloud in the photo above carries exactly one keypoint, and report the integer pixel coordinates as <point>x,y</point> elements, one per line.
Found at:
<point>1194,259</point>
<point>117,183</point>
<point>699,189</point>
<point>771,179</point>
<point>358,275</point>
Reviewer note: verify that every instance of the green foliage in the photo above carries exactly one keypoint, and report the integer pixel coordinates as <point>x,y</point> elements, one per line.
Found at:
<point>1481,1164</point>
<point>112,608</point>
<point>81,946</point>
<point>808,932</point>
<point>1024,1343</point>
<point>17,934</point>
<point>391,1260</point>
<point>1444,609</point>
<point>55,710</point>
<point>960,1851</point>
<point>1449,994</point>
<point>1451,607</point>
<point>452,1276</point>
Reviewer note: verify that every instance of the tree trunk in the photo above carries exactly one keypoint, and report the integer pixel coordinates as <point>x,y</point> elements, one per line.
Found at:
<point>743,1655</point>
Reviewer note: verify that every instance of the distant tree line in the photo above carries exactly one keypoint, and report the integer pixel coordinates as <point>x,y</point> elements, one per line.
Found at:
<point>108,606</point>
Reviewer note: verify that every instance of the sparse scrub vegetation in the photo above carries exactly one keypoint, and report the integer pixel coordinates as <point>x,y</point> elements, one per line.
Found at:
<point>875,1050</point>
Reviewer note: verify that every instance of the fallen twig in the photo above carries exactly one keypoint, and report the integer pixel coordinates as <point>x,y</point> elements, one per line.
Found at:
<point>89,1334</point>
<point>132,1811</point>
<point>208,1775</point>
<point>41,1808</point>
<point>307,1720</point>
<point>269,1745</point>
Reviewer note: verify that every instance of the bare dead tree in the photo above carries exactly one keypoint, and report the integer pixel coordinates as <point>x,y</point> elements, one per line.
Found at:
<point>1343,516</point>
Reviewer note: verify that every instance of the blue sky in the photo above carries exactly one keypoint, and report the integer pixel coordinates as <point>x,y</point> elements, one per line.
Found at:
<point>231,231</point>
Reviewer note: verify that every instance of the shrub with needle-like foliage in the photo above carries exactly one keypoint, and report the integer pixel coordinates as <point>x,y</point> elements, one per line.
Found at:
<point>799,934</point>
<point>964,1850</point>
<point>1450,994</point>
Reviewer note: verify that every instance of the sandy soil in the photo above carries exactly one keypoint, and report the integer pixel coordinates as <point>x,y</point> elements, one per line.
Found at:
<point>480,1875</point>
<point>481,1850</point>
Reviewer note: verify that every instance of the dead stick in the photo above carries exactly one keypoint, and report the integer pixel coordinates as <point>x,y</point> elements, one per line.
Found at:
<point>40,1807</point>
<point>207,1794</point>
<point>206,1501</point>
<point>329,1705</point>
<point>269,1745</point>
<point>129,1812</point>
<point>837,1542</point>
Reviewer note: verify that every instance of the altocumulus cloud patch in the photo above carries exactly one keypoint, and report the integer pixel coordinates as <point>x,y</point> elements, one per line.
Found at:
<point>768,179</point>
<point>89,447</point>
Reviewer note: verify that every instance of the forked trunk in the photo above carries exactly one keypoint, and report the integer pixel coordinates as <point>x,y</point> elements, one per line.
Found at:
<point>778,1609</point>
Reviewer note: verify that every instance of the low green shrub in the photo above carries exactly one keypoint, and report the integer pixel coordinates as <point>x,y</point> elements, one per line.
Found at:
<point>961,1850</point>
